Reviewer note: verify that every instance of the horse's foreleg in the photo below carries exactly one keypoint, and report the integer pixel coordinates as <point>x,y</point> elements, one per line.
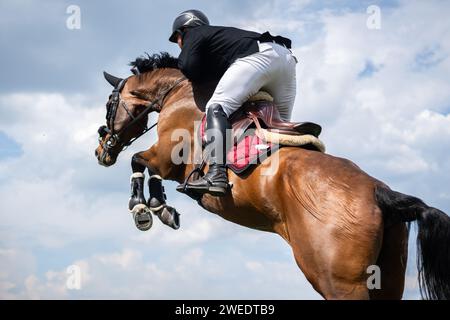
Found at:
<point>158,196</point>
<point>137,203</point>
<point>157,200</point>
<point>137,182</point>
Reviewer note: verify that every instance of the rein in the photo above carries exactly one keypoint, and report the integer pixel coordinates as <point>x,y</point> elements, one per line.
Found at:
<point>114,138</point>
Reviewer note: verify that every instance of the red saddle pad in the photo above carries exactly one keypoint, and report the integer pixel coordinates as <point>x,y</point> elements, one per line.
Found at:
<point>249,150</point>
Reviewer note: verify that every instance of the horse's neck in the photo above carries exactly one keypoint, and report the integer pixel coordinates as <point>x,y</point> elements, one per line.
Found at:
<point>182,105</point>
<point>178,118</point>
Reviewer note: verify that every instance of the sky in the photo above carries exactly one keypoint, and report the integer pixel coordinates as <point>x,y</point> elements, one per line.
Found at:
<point>380,91</point>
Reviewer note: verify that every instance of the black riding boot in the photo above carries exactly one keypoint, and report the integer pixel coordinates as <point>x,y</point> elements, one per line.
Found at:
<point>215,181</point>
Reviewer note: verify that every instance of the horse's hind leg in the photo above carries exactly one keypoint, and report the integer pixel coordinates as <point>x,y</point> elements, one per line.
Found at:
<point>335,288</point>
<point>332,287</point>
<point>336,260</point>
<point>157,202</point>
<point>340,284</point>
<point>392,263</point>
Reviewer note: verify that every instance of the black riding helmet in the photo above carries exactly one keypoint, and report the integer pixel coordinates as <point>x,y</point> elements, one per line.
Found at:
<point>188,18</point>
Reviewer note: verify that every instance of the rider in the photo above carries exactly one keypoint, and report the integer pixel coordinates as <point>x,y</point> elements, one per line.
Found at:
<point>245,62</point>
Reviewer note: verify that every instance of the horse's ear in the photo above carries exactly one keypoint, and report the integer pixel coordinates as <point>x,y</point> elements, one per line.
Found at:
<point>114,81</point>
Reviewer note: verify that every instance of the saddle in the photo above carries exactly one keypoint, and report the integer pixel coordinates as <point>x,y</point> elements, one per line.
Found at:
<point>258,131</point>
<point>261,110</point>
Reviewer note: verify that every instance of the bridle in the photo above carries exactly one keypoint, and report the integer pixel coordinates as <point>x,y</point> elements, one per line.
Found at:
<point>112,106</point>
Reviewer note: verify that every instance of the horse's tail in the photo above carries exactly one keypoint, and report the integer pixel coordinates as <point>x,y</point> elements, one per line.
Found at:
<point>433,239</point>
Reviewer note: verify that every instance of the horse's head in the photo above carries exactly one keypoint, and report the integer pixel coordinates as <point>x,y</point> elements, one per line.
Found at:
<point>126,118</point>
<point>132,100</point>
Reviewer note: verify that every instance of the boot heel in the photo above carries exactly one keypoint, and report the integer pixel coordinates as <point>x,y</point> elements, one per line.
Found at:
<point>218,191</point>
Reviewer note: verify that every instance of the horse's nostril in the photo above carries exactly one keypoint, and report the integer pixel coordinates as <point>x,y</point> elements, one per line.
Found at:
<point>96,153</point>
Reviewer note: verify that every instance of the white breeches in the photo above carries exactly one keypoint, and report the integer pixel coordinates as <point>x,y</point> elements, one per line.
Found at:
<point>272,69</point>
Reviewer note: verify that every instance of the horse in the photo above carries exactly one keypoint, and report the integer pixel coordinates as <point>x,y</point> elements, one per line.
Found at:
<point>338,220</point>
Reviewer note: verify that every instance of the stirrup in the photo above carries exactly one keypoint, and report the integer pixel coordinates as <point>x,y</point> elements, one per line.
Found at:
<point>183,186</point>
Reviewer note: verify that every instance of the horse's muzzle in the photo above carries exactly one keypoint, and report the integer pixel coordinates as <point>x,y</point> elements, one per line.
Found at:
<point>104,158</point>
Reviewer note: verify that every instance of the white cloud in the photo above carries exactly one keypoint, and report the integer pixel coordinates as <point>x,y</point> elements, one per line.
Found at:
<point>389,114</point>
<point>195,275</point>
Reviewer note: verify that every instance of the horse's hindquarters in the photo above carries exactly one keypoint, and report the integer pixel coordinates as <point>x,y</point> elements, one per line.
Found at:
<point>334,226</point>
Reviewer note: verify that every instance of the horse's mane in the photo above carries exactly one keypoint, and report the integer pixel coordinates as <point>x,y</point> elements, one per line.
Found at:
<point>147,63</point>
<point>155,61</point>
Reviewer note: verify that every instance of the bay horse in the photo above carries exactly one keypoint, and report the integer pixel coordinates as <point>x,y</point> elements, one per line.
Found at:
<point>337,219</point>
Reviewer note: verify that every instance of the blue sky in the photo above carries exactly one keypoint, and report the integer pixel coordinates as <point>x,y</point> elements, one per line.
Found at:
<point>382,97</point>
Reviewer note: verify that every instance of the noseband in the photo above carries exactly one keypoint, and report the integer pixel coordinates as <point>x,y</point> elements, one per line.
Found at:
<point>112,106</point>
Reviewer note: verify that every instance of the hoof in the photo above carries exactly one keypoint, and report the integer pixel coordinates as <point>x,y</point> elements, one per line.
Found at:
<point>142,217</point>
<point>169,216</point>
